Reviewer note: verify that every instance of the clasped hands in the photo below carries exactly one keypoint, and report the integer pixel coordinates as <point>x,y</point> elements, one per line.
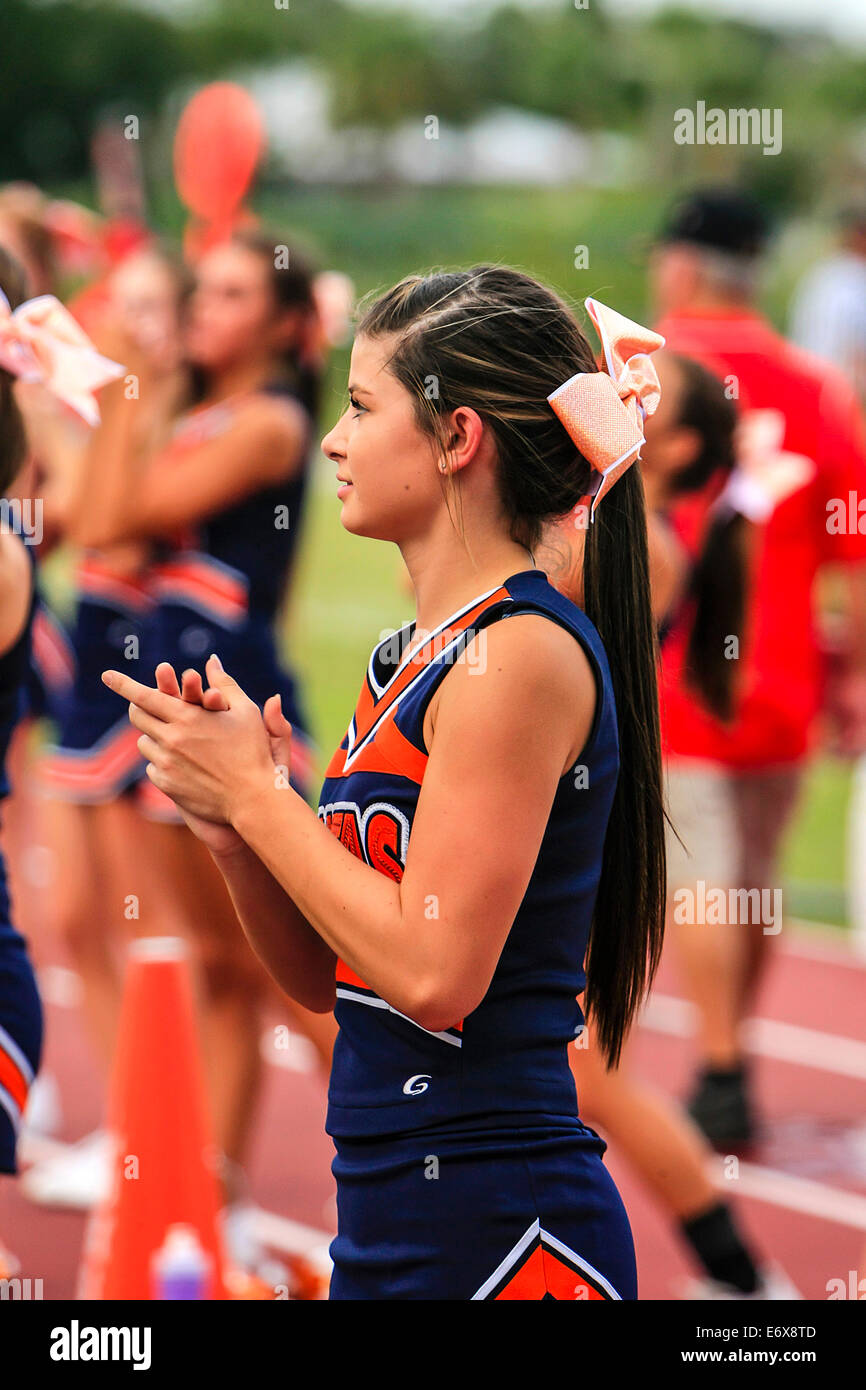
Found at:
<point>210,750</point>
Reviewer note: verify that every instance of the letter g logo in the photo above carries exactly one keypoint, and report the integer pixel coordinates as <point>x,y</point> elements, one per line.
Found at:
<point>416,1084</point>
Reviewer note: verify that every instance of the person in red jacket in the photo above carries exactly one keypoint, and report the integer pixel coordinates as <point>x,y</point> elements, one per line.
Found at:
<point>734,783</point>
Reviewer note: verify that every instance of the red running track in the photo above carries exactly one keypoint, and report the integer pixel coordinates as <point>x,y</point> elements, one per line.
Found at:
<point>801,1195</point>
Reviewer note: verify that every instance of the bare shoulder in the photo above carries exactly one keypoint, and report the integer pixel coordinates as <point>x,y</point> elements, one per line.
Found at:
<point>539,652</point>
<point>277,426</point>
<point>533,669</point>
<point>15,589</point>
<point>280,415</point>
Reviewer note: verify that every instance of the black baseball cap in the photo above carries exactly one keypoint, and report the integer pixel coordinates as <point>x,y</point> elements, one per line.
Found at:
<point>723,219</point>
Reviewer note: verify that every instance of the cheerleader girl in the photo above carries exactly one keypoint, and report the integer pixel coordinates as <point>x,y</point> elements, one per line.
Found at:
<point>493,812</point>
<point>220,502</point>
<point>92,760</point>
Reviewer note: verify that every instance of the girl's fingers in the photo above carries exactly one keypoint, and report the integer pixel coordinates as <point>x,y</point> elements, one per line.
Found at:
<point>156,728</point>
<point>192,688</point>
<point>161,706</point>
<point>214,699</point>
<point>148,749</point>
<point>166,680</point>
<point>276,722</point>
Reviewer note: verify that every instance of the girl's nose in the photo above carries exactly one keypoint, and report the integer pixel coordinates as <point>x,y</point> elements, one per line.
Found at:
<point>332,444</point>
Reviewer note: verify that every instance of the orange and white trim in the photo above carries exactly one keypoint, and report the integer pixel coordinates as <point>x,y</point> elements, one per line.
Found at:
<point>16,1078</point>
<point>540,1266</point>
<point>93,775</point>
<point>216,590</point>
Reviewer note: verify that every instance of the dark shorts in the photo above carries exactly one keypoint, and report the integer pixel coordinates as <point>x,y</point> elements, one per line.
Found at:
<point>51,665</point>
<point>524,1212</point>
<point>94,754</point>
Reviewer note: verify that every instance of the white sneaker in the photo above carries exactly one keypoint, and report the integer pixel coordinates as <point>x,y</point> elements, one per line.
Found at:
<point>77,1178</point>
<point>775,1286</point>
<point>244,1249</point>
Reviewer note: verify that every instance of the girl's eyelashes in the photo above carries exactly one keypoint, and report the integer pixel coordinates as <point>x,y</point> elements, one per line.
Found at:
<point>356,405</point>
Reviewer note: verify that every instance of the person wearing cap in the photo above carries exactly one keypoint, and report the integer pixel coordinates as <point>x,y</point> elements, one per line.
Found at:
<point>733,784</point>
<point>828,311</point>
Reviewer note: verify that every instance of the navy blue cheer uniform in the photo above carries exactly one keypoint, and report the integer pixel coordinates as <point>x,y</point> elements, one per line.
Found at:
<point>218,586</point>
<point>20,1009</point>
<point>462,1168</point>
<point>51,669</point>
<point>95,753</point>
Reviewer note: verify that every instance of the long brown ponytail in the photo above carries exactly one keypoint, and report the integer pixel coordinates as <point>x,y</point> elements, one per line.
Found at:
<point>496,340</point>
<point>718,583</point>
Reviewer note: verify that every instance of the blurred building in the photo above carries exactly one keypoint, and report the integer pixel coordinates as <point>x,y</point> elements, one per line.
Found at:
<point>506,145</point>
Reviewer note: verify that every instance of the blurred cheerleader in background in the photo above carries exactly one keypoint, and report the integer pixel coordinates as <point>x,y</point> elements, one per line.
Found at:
<point>43,347</point>
<point>218,504</point>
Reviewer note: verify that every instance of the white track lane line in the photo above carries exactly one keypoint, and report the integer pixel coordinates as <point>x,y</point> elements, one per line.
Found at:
<point>810,1198</point>
<point>279,1232</point>
<point>767,1185</point>
<point>664,1014</point>
<point>784,1042</point>
<point>820,942</point>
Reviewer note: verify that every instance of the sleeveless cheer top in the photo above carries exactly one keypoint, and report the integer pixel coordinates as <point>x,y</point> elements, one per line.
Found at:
<point>234,564</point>
<point>389,1074</point>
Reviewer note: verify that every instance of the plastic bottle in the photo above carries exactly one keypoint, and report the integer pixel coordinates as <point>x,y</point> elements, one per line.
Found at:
<point>181,1268</point>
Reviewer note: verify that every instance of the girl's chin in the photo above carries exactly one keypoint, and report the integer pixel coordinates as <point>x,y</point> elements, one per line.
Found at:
<point>353,520</point>
<point>201,353</point>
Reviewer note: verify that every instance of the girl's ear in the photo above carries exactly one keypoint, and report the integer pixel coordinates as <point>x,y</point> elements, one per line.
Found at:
<point>685,447</point>
<point>467,432</point>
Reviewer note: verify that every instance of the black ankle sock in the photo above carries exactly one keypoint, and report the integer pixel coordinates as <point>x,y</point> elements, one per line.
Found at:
<point>734,1073</point>
<point>720,1248</point>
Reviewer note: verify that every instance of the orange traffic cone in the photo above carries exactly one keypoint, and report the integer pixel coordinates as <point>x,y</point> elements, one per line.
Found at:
<point>164,1165</point>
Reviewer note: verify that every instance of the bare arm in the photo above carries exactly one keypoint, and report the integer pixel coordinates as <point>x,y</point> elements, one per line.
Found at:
<point>429,945</point>
<point>15,590</point>
<point>128,493</point>
<point>300,961</point>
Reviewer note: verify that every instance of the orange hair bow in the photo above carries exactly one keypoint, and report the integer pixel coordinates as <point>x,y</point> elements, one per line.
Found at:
<point>604,411</point>
<point>41,341</point>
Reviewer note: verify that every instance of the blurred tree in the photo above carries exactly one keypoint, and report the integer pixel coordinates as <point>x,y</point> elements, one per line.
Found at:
<point>62,64</point>
<point>67,62</point>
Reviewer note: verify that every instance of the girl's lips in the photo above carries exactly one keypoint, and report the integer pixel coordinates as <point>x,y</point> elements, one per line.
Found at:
<point>343,489</point>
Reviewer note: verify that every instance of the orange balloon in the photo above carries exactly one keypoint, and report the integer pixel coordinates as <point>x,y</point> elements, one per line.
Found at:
<point>219,141</point>
<point>199,237</point>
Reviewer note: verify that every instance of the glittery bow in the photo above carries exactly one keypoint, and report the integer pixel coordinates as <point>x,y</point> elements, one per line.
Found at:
<point>604,412</point>
<point>41,341</point>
